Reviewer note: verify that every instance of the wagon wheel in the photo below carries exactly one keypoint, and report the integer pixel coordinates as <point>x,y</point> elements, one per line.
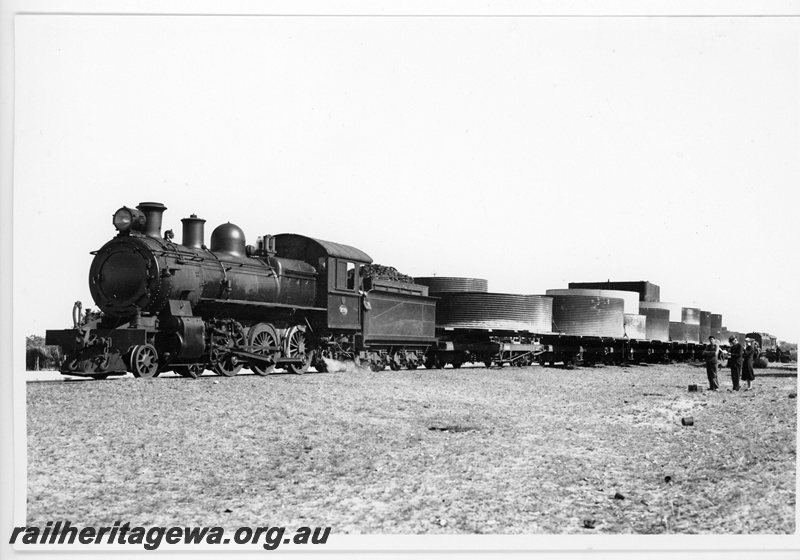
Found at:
<point>261,336</point>
<point>225,363</point>
<point>144,361</point>
<point>412,361</point>
<point>296,348</point>
<point>396,361</point>
<point>192,370</point>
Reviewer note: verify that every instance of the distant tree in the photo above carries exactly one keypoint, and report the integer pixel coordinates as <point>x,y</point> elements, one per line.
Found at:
<point>39,356</point>
<point>790,347</point>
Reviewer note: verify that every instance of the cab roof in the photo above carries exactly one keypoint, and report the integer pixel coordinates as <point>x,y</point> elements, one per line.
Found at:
<point>300,247</point>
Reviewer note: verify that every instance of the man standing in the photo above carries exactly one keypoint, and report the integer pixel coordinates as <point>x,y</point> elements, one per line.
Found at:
<point>737,359</point>
<point>711,355</point>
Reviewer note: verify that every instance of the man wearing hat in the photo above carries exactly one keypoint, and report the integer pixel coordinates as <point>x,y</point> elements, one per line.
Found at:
<point>736,361</point>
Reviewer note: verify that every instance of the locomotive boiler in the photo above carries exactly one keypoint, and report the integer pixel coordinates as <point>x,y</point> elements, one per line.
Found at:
<point>289,301</point>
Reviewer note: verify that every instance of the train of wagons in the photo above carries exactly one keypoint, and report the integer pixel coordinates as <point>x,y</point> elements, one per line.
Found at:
<point>291,302</point>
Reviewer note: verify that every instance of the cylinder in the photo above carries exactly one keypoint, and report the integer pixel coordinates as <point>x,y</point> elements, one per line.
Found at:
<point>193,231</point>
<point>675,309</point>
<point>482,310</point>
<point>705,332</point>
<point>636,326</point>
<point>440,284</point>
<point>692,332</point>
<point>705,318</point>
<point>715,321</point>
<point>677,331</point>
<point>631,299</point>
<point>589,315</point>
<point>153,212</point>
<point>690,315</point>
<point>657,326</point>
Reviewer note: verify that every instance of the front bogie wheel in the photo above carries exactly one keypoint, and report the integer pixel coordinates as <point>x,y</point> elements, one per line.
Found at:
<point>144,361</point>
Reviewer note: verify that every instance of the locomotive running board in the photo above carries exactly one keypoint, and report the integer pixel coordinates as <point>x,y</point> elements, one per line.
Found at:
<point>245,303</point>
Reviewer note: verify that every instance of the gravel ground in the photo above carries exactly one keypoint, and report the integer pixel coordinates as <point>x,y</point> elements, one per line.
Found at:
<point>475,450</point>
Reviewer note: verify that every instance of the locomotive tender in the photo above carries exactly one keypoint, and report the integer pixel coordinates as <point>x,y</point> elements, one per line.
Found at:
<point>287,302</point>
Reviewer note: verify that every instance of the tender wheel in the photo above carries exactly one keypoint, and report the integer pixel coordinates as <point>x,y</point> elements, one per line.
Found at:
<point>457,364</point>
<point>144,361</point>
<point>487,363</point>
<point>192,370</point>
<point>296,348</point>
<point>396,361</point>
<point>376,366</point>
<point>261,337</point>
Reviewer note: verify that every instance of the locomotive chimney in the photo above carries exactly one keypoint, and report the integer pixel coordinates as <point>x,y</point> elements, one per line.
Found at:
<point>193,231</point>
<point>152,213</point>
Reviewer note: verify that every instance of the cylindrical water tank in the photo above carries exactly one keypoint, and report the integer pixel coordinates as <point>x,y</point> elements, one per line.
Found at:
<point>705,318</point>
<point>692,332</point>
<point>677,331</point>
<point>657,323</point>
<point>438,284</point>
<point>589,315</point>
<point>482,310</point>
<point>690,315</point>
<point>631,299</point>
<point>715,321</point>
<point>675,309</point>
<point>636,326</point>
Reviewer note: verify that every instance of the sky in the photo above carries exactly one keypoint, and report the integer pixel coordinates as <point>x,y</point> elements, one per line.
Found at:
<point>531,152</point>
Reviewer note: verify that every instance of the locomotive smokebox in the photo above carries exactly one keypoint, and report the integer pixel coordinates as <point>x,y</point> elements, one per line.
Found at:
<point>193,231</point>
<point>152,212</point>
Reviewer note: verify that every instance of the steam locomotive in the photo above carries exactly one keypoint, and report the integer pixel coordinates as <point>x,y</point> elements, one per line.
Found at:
<point>287,302</point>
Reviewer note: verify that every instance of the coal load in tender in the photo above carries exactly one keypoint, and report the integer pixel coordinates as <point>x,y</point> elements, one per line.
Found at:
<point>385,272</point>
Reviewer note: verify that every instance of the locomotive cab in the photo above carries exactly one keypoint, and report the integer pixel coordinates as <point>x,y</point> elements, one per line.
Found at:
<point>338,277</point>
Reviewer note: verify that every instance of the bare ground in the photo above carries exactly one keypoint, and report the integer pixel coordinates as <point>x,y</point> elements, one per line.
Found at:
<point>535,450</point>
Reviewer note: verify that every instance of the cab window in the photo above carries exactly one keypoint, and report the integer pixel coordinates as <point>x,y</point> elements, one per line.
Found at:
<point>346,275</point>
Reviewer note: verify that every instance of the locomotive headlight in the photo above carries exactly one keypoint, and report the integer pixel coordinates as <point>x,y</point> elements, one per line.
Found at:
<point>125,219</point>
